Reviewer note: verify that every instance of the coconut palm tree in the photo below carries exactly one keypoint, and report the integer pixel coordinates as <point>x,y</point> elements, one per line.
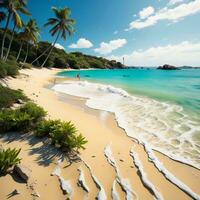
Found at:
<point>21,38</point>
<point>12,7</point>
<point>62,26</point>
<point>30,34</point>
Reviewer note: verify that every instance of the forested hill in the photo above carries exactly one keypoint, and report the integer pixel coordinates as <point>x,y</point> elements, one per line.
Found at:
<point>59,58</point>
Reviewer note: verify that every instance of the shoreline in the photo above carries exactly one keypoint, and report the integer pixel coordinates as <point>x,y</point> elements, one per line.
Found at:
<point>103,133</point>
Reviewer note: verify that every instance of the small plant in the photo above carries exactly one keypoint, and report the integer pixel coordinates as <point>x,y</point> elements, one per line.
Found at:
<point>9,68</point>
<point>45,127</point>
<point>21,119</point>
<point>8,158</point>
<point>63,134</point>
<point>36,112</point>
<point>10,96</point>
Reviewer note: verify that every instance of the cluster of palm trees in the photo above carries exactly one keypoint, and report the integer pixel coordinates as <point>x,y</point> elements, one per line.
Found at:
<point>28,33</point>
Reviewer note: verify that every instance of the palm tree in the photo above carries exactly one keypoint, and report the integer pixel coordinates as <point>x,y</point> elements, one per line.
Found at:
<point>62,26</point>
<point>21,38</point>
<point>30,34</point>
<point>19,5</point>
<point>12,7</point>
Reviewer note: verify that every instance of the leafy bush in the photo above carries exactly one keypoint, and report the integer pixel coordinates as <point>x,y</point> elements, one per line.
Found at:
<point>9,96</point>
<point>3,71</point>
<point>33,110</point>
<point>8,158</point>
<point>8,68</point>
<point>63,134</point>
<point>21,119</point>
<point>45,127</point>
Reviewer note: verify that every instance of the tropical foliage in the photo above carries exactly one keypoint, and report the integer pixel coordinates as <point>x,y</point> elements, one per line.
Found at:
<point>63,134</point>
<point>9,97</point>
<point>62,26</point>
<point>17,44</point>
<point>8,68</point>
<point>13,8</point>
<point>23,119</point>
<point>8,158</point>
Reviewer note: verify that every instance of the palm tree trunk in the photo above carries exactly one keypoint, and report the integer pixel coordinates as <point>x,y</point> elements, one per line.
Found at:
<point>51,49</point>
<point>41,55</point>
<point>8,51</point>
<point>18,55</point>
<point>4,34</point>
<point>26,54</point>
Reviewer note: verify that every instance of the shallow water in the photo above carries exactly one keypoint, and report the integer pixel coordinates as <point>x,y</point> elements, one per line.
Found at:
<point>154,106</point>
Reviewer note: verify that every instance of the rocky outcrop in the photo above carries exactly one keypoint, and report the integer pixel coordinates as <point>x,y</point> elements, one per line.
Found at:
<point>168,67</point>
<point>23,172</point>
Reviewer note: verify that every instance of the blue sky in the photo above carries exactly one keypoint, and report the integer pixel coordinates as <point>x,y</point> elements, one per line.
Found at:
<point>145,32</point>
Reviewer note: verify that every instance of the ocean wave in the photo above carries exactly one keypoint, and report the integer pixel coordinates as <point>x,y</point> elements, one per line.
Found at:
<point>164,126</point>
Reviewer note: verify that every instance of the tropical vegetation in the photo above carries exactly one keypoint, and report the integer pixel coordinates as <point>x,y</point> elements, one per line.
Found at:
<point>8,159</point>
<point>62,134</point>
<point>10,96</point>
<point>21,42</point>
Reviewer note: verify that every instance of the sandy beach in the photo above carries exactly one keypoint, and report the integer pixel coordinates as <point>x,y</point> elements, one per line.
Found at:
<point>101,131</point>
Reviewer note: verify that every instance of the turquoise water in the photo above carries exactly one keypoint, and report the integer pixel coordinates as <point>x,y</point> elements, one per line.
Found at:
<point>181,87</point>
<point>158,108</point>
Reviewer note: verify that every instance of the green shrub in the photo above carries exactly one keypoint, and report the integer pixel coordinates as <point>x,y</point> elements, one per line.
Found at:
<point>63,134</point>
<point>9,96</point>
<point>21,119</point>
<point>45,127</point>
<point>8,68</point>
<point>3,71</point>
<point>8,158</point>
<point>36,112</point>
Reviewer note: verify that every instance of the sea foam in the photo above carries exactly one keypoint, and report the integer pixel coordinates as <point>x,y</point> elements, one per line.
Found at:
<point>165,127</point>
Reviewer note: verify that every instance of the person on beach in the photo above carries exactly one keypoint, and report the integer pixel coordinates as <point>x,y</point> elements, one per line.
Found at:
<point>78,76</point>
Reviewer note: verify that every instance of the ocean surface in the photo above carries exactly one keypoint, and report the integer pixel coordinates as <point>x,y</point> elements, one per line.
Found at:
<point>158,108</point>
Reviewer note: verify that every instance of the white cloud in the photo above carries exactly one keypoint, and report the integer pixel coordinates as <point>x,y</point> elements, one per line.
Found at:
<point>106,48</point>
<point>82,43</point>
<point>146,12</point>
<point>170,14</point>
<point>59,46</point>
<point>173,2</point>
<point>184,53</point>
<point>115,32</point>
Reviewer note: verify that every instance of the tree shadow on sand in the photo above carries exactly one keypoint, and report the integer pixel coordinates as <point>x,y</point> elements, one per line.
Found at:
<point>46,153</point>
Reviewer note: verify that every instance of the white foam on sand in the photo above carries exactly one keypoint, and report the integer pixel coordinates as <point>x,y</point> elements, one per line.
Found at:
<point>164,126</point>
<point>82,182</point>
<point>169,176</point>
<point>64,184</point>
<point>101,194</point>
<point>124,183</point>
<point>114,193</point>
<point>143,176</point>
